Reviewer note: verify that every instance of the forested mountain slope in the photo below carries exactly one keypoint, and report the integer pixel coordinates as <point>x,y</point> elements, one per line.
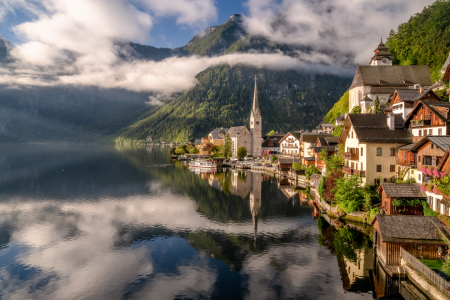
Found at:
<point>223,97</point>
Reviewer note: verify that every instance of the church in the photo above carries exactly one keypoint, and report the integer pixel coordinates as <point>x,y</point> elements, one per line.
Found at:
<point>381,79</point>
<point>250,139</point>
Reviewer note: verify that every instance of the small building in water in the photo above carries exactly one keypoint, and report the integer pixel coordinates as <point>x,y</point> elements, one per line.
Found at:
<point>421,236</point>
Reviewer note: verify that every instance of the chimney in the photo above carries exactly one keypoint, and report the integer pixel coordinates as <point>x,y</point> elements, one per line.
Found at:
<point>421,90</point>
<point>417,86</point>
<point>391,121</point>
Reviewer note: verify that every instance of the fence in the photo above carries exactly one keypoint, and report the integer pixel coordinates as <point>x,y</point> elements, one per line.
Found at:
<point>431,276</point>
<point>327,206</point>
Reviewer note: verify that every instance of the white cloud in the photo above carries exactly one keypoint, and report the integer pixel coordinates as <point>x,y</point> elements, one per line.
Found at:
<point>341,26</point>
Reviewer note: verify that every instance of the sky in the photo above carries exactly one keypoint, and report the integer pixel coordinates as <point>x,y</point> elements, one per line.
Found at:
<point>67,42</point>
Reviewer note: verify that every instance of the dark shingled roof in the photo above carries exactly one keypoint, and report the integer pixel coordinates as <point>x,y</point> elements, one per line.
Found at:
<point>407,147</point>
<point>373,128</point>
<point>312,158</point>
<point>312,137</point>
<point>403,190</point>
<point>407,95</point>
<point>398,76</point>
<point>288,161</point>
<point>411,228</point>
<point>233,131</point>
<point>426,91</point>
<point>218,133</point>
<point>332,139</point>
<point>274,141</point>
<point>315,177</point>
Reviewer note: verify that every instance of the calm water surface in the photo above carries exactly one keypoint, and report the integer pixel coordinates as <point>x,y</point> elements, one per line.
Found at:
<point>94,222</point>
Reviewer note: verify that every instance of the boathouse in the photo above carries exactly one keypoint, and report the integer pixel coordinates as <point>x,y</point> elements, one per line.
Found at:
<point>285,164</point>
<point>393,191</point>
<point>421,236</point>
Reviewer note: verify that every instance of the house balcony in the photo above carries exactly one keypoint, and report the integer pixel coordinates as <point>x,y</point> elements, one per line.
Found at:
<point>406,163</point>
<point>347,170</point>
<point>351,156</point>
<point>291,147</point>
<point>417,123</point>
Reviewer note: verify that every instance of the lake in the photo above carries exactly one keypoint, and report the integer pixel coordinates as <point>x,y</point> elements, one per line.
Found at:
<point>102,222</point>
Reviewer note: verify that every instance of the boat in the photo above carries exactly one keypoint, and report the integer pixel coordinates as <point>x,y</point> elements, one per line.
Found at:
<point>183,157</point>
<point>202,164</point>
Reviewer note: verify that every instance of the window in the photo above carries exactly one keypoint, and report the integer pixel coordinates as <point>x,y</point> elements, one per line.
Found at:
<point>420,132</point>
<point>430,132</point>
<point>251,123</point>
<point>404,155</point>
<point>419,177</point>
<point>362,151</point>
<point>257,122</point>
<point>379,151</point>
<point>352,134</point>
<point>353,165</point>
<point>440,131</point>
<point>427,160</point>
<point>392,151</point>
<point>432,146</point>
<point>378,168</point>
<point>420,159</point>
<point>392,168</point>
<point>347,149</point>
<point>362,166</point>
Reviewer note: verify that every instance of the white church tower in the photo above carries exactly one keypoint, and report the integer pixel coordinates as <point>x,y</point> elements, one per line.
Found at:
<point>256,125</point>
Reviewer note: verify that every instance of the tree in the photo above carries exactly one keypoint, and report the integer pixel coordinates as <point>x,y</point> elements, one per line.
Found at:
<point>356,109</point>
<point>272,132</point>
<point>226,147</point>
<point>179,151</point>
<point>329,184</point>
<point>297,166</point>
<point>335,162</point>
<point>338,130</point>
<point>311,170</point>
<point>241,152</point>
<point>376,106</point>
<point>274,158</point>
<point>193,151</point>
<point>348,193</point>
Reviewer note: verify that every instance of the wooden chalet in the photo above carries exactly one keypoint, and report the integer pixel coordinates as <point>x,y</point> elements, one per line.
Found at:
<point>392,191</point>
<point>404,100</point>
<point>429,118</point>
<point>430,151</point>
<point>327,143</point>
<point>421,236</point>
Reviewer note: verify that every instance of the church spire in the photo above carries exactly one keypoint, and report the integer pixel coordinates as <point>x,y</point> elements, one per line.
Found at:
<point>255,107</point>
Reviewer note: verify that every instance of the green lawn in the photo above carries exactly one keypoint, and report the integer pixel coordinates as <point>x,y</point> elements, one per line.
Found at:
<point>434,264</point>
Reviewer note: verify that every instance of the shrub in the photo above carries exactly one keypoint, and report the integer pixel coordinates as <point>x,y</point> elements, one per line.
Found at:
<point>241,152</point>
<point>311,170</point>
<point>297,166</point>
<point>356,110</point>
<point>274,158</point>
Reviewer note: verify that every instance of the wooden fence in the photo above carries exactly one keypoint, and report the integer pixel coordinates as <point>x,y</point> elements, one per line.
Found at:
<point>431,276</point>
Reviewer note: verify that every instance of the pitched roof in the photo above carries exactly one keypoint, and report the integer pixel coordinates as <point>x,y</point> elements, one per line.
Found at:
<point>233,131</point>
<point>332,139</point>
<point>407,95</point>
<point>312,137</point>
<point>373,128</point>
<point>255,106</point>
<point>398,76</point>
<point>402,190</point>
<point>426,91</point>
<point>275,143</point>
<point>406,147</point>
<point>399,228</point>
<point>326,125</point>
<point>288,161</point>
<point>296,135</point>
<point>432,106</point>
<point>218,133</point>
<point>315,177</point>
<point>442,141</point>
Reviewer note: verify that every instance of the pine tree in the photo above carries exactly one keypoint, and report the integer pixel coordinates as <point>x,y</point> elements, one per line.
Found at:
<point>376,106</point>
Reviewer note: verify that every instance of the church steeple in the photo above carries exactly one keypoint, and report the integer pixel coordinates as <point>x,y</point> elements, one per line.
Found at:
<point>255,107</point>
<point>382,55</point>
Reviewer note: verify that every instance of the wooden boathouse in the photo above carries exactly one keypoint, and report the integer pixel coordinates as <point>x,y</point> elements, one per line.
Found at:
<point>421,236</point>
<point>392,191</point>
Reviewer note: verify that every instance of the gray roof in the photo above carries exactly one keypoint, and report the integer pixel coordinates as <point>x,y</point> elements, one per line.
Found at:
<point>407,95</point>
<point>218,133</point>
<point>312,137</point>
<point>255,106</point>
<point>398,228</point>
<point>426,91</point>
<point>233,131</point>
<point>406,147</point>
<point>315,177</point>
<point>275,143</point>
<point>441,141</point>
<point>312,158</point>
<point>398,76</point>
<point>326,125</point>
<point>403,190</point>
<point>288,161</point>
<point>373,128</point>
<point>332,139</point>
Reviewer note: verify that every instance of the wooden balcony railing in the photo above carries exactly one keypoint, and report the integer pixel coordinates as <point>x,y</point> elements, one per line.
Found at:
<point>351,156</point>
<point>360,173</point>
<point>426,117</point>
<point>347,170</point>
<point>320,164</point>
<point>417,123</point>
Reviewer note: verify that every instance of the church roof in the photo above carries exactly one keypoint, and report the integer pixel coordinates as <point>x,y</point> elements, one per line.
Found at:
<point>218,133</point>
<point>398,76</point>
<point>381,52</point>
<point>233,131</point>
<point>255,107</point>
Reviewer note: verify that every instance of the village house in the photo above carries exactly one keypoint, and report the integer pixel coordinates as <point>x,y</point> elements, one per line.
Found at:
<point>216,136</point>
<point>404,100</point>
<point>290,144</point>
<point>327,143</point>
<point>340,120</point>
<point>406,162</point>
<point>430,152</point>
<point>381,79</point>
<point>370,142</point>
<point>285,164</point>
<point>271,143</point>
<point>307,145</point>
<point>326,128</point>
<point>421,236</point>
<point>393,191</point>
<point>429,118</point>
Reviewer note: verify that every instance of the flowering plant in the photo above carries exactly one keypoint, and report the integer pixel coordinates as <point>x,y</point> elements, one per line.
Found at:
<point>436,191</point>
<point>423,169</point>
<point>429,171</point>
<point>423,187</point>
<point>436,174</point>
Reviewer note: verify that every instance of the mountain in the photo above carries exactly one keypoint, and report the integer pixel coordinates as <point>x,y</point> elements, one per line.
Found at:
<point>288,100</point>
<point>424,39</point>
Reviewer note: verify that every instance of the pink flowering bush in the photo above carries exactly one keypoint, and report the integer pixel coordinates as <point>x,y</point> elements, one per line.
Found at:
<point>429,172</point>
<point>436,191</point>
<point>423,187</point>
<point>436,174</point>
<point>423,169</point>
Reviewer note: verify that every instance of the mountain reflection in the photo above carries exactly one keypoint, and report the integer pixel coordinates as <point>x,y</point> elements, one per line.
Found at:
<point>128,224</point>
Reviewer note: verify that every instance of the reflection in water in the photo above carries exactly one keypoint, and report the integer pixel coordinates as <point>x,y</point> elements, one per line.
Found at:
<point>81,222</point>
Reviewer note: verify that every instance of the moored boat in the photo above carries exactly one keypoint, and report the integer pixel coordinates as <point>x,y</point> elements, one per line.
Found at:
<point>202,164</point>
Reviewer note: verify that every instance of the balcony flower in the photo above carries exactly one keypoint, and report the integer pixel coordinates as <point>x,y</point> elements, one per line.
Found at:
<point>423,187</point>
<point>423,169</point>
<point>436,174</point>
<point>429,172</point>
<point>437,192</point>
